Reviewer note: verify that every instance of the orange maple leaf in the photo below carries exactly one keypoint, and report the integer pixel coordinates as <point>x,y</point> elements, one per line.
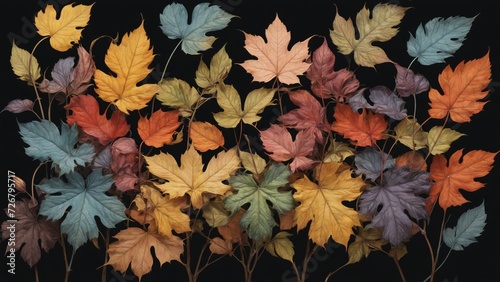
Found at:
<point>273,57</point>
<point>365,128</point>
<point>462,90</point>
<point>85,112</point>
<point>459,173</point>
<point>158,130</point>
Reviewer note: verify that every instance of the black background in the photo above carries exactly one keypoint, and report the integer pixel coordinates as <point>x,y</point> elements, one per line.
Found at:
<point>478,262</point>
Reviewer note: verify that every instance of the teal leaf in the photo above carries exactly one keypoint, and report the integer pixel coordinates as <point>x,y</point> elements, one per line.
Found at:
<point>205,18</point>
<point>45,142</point>
<point>438,39</point>
<point>469,226</point>
<point>258,219</point>
<point>87,200</point>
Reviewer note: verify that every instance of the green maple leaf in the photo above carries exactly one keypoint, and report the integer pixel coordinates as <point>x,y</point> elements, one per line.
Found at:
<point>87,200</point>
<point>46,142</point>
<point>258,219</point>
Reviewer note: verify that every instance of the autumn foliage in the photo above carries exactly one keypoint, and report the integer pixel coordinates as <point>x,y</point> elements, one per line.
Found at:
<point>328,165</point>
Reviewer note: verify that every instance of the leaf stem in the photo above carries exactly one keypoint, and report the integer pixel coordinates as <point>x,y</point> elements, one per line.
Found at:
<point>169,58</point>
<point>33,82</point>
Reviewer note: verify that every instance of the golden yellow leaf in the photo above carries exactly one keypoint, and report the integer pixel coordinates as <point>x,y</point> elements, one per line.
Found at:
<point>440,139</point>
<point>205,136</point>
<point>229,100</point>
<point>129,61</point>
<point>189,177</point>
<point>220,65</point>
<point>410,134</point>
<point>215,214</point>
<point>64,29</point>
<point>322,203</point>
<point>166,212</point>
<point>133,248</point>
<point>281,246</point>
<point>379,25</point>
<point>178,94</point>
<point>252,162</point>
<point>338,152</point>
<point>21,65</point>
<point>368,239</point>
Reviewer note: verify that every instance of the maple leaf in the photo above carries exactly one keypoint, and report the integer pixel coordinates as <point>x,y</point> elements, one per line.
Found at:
<point>189,177</point>
<point>64,29</point>
<point>273,57</point>
<point>87,200</point>
<point>394,201</point>
<point>68,79</point>
<point>458,173</point>
<point>258,219</point>
<point>129,61</point>
<point>205,136</point>
<point>220,65</point>
<point>325,81</point>
<point>364,129</point>
<point>438,39</point>
<point>252,162</point>
<point>158,130</point>
<point>32,232</point>
<point>24,65</point>
<point>277,140</point>
<point>409,83</point>
<point>215,214</point>
<point>462,88</point>
<point>379,25</point>
<point>367,240</point>
<point>205,18</point>
<point>178,94</point>
<point>322,203</point>
<point>382,100</point>
<point>166,212</point>
<point>229,100</point>
<point>309,114</point>
<point>86,114</point>
<point>410,133</point>
<point>46,142</point>
<point>372,163</point>
<point>134,248</point>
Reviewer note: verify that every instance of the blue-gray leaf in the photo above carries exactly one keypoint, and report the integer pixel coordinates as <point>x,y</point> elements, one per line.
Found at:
<point>469,226</point>
<point>45,142</point>
<point>205,18</point>
<point>438,39</point>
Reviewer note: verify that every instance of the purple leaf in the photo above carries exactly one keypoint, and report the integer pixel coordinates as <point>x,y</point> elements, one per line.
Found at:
<point>372,163</point>
<point>408,83</point>
<point>61,77</point>
<point>18,106</point>
<point>398,197</point>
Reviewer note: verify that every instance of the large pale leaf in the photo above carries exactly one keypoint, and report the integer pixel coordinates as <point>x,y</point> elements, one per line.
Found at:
<point>205,18</point>
<point>87,199</point>
<point>375,26</point>
<point>438,39</point>
<point>129,61</point>
<point>46,142</point>
<point>469,226</point>
<point>64,29</point>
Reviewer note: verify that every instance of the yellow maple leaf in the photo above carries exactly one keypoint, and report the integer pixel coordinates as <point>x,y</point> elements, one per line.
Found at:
<point>220,65</point>
<point>189,177</point>
<point>410,133</point>
<point>178,94</point>
<point>379,25</point>
<point>321,203</point>
<point>166,212</point>
<point>281,246</point>
<point>273,57</point>
<point>133,248</point>
<point>65,29</point>
<point>229,100</point>
<point>129,60</point>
